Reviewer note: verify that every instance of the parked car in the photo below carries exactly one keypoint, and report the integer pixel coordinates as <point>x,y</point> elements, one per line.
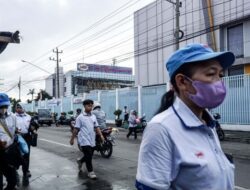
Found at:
<point>44,116</point>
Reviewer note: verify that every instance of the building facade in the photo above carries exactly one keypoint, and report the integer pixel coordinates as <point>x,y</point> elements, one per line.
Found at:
<point>223,25</point>
<point>89,77</point>
<point>51,84</point>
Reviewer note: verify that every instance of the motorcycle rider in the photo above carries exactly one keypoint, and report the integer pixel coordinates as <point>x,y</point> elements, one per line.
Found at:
<point>85,127</point>
<point>78,112</point>
<point>23,126</point>
<point>73,119</point>
<point>132,124</point>
<point>126,114</point>
<point>6,139</point>
<point>100,115</point>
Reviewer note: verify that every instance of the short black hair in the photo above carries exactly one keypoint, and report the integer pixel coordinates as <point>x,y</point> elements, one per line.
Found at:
<point>87,102</point>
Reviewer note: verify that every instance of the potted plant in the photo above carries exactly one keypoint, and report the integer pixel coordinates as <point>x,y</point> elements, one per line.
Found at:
<point>71,112</point>
<point>118,121</point>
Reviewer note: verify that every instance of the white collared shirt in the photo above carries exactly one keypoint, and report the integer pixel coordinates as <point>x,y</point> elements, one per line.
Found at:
<point>23,122</point>
<point>179,152</point>
<point>86,124</point>
<point>10,120</point>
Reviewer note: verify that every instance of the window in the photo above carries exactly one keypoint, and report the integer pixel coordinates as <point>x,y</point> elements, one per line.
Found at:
<point>65,89</point>
<point>236,81</point>
<point>65,80</point>
<point>235,41</point>
<point>236,70</point>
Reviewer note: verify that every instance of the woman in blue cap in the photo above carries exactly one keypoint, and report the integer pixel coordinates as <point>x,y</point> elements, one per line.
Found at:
<point>180,148</point>
<point>7,133</point>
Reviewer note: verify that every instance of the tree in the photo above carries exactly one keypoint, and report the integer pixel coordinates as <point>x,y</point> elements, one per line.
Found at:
<point>29,101</point>
<point>42,95</point>
<point>31,92</point>
<point>14,102</point>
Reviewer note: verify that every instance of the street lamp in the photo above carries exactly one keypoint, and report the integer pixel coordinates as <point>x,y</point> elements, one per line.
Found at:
<point>36,66</point>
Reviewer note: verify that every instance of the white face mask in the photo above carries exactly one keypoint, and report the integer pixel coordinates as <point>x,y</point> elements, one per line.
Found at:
<point>3,111</point>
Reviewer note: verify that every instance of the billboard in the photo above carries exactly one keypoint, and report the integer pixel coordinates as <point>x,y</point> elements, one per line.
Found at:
<point>104,68</point>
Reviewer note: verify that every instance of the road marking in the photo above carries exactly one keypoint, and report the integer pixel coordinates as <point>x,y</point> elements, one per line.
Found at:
<point>54,142</point>
<point>240,188</point>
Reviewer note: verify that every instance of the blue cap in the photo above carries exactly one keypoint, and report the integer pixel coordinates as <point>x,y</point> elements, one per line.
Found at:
<point>197,53</point>
<point>4,100</point>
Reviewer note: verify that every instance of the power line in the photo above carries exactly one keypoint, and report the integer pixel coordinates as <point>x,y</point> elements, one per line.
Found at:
<point>231,9</point>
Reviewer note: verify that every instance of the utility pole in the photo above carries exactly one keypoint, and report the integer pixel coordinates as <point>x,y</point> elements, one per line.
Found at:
<point>177,36</point>
<point>19,87</point>
<point>114,62</point>
<point>57,69</point>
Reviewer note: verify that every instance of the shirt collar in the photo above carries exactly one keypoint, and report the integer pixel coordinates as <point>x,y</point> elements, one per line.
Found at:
<point>187,117</point>
<point>87,114</point>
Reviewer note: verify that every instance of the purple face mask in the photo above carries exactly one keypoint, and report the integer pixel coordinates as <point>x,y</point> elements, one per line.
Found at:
<point>208,95</point>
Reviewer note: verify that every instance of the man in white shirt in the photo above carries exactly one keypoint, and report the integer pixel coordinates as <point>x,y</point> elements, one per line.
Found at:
<point>23,126</point>
<point>85,129</point>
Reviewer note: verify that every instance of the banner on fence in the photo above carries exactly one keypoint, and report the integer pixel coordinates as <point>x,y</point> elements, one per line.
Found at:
<point>77,100</point>
<point>54,102</point>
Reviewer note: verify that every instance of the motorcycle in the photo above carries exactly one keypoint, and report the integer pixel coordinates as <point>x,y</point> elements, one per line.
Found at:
<point>142,123</point>
<point>66,121</point>
<point>105,148</point>
<point>219,130</point>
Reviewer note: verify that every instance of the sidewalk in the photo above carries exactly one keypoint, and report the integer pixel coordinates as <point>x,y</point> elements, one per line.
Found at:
<point>52,172</point>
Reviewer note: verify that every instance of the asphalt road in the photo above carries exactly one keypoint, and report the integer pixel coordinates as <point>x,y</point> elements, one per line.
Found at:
<point>117,172</point>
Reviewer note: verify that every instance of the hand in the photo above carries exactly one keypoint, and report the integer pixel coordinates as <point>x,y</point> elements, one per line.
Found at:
<point>71,141</point>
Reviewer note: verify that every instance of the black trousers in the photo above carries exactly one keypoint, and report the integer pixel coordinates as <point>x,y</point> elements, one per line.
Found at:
<point>9,172</point>
<point>131,130</point>
<point>26,157</point>
<point>87,157</point>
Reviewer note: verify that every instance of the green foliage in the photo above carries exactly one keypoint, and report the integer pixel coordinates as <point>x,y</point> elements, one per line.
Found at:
<point>118,112</point>
<point>43,95</point>
<point>70,112</point>
<point>14,102</point>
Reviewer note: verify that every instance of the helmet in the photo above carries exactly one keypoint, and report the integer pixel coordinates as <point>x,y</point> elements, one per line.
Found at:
<point>4,100</point>
<point>96,105</point>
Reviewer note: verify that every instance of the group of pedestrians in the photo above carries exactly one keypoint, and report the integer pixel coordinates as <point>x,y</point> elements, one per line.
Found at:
<point>12,128</point>
<point>179,148</point>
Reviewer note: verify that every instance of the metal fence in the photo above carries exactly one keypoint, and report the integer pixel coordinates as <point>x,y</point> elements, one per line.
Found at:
<point>234,110</point>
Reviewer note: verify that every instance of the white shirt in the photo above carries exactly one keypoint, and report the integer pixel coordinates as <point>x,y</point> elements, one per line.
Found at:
<point>23,122</point>
<point>86,123</point>
<point>179,152</point>
<point>10,120</point>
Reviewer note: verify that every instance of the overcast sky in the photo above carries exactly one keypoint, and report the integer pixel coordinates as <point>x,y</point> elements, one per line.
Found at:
<point>45,24</point>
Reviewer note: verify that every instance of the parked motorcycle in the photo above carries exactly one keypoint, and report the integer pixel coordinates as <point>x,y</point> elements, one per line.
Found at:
<point>106,147</point>
<point>219,130</point>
